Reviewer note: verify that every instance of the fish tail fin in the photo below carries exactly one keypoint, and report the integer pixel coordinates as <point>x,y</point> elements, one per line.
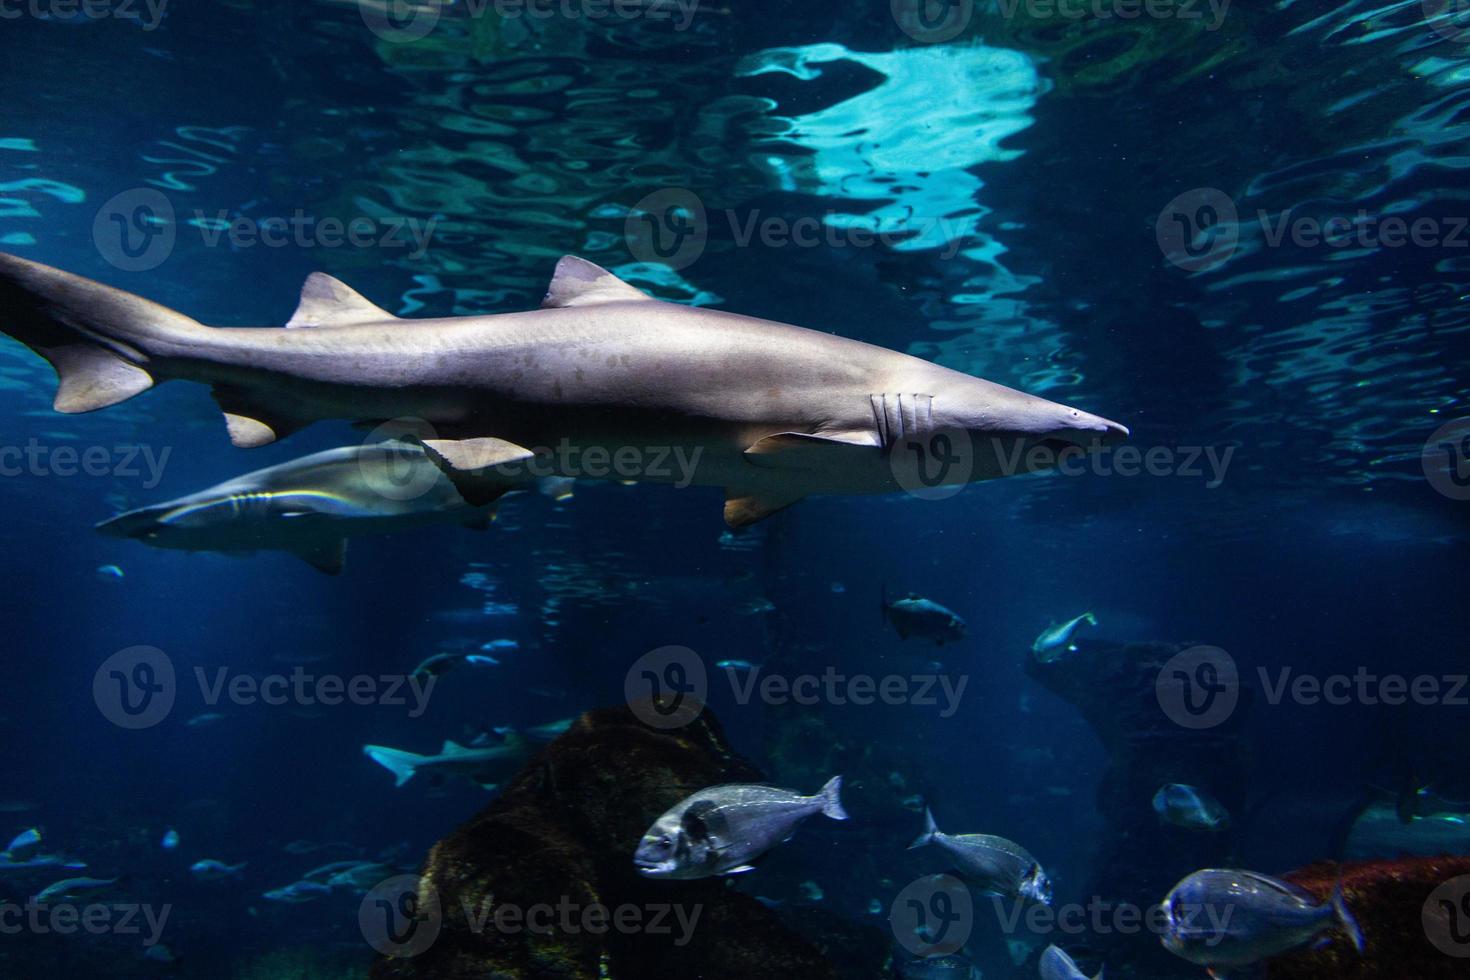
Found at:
<point>1091,619</point>
<point>1345,917</point>
<point>930,830</point>
<point>832,799</point>
<point>401,764</point>
<point>96,337</point>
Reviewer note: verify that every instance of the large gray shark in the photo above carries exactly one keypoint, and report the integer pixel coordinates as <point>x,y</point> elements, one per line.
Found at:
<point>312,505</point>
<point>769,411</point>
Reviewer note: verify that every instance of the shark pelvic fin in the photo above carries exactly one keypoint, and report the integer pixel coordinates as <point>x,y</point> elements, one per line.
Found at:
<point>803,451</point>
<point>743,510</point>
<point>578,282</point>
<point>330,302</point>
<point>325,556</point>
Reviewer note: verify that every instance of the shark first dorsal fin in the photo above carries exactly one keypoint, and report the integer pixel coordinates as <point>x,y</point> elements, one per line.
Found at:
<point>578,282</point>
<point>330,302</point>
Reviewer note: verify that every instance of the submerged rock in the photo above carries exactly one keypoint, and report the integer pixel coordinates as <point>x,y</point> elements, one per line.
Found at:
<point>1390,900</point>
<point>561,836</point>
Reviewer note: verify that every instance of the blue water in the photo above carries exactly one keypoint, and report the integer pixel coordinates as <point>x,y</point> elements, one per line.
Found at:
<point>1024,175</point>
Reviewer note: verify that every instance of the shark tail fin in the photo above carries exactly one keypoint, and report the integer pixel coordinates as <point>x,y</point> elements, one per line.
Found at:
<point>832,799</point>
<point>1345,917</point>
<point>1091,619</point>
<point>930,830</point>
<point>94,336</point>
<point>401,764</point>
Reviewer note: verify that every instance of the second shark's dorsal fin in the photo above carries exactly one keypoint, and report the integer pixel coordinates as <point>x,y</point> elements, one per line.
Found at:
<point>578,282</point>
<point>330,302</point>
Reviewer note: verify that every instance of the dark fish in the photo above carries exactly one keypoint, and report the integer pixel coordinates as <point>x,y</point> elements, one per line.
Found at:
<point>914,615</point>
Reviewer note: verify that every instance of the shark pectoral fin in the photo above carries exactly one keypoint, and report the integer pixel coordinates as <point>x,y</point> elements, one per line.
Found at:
<point>465,462</point>
<point>324,556</point>
<point>330,302</point>
<point>803,451</point>
<point>578,282</point>
<point>744,509</point>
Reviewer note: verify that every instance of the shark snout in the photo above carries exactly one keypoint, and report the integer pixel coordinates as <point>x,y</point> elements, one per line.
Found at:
<point>1085,429</point>
<point>132,524</point>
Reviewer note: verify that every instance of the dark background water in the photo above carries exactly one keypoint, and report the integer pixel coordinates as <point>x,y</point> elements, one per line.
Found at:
<point>1326,370</point>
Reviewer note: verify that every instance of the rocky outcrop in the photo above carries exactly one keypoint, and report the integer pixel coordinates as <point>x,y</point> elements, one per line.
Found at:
<point>562,835</point>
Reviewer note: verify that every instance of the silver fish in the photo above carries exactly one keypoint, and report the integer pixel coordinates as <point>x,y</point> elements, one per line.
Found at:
<point>721,830</point>
<point>1057,965</point>
<point>1224,919</point>
<point>992,864</point>
<point>1056,639</point>
<point>1190,807</point>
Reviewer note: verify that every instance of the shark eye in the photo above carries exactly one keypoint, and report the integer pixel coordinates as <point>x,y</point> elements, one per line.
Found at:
<point>665,840</point>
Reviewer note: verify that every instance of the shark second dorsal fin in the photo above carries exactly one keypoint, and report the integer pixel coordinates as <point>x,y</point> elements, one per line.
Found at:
<point>578,282</point>
<point>330,302</point>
